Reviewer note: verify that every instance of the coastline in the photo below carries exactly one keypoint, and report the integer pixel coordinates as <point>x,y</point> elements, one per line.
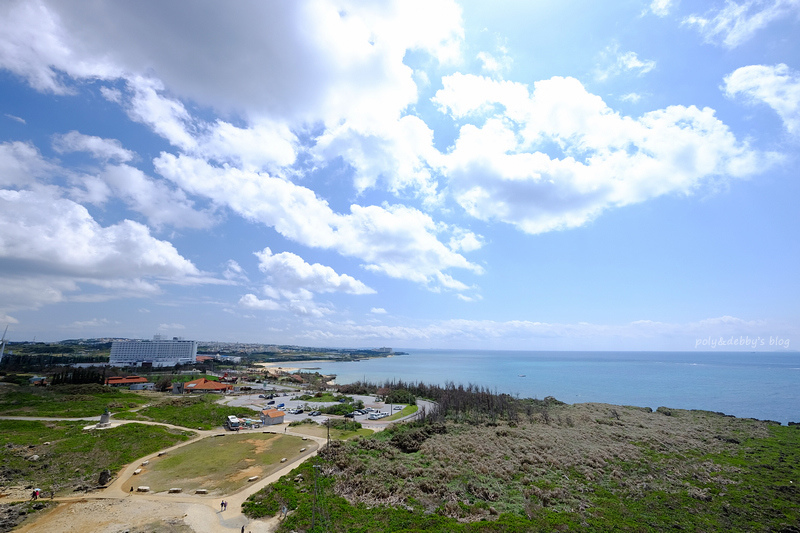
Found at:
<point>761,386</point>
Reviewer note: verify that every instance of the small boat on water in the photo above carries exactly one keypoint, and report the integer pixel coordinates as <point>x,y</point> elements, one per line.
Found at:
<point>522,375</point>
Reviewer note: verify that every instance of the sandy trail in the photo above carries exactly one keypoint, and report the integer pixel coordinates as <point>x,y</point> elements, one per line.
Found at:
<point>113,510</point>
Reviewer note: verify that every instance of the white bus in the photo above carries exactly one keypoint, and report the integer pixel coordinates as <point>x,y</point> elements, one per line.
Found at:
<point>232,423</point>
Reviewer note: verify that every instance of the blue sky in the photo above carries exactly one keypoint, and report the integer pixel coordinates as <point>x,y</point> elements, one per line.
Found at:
<point>516,175</point>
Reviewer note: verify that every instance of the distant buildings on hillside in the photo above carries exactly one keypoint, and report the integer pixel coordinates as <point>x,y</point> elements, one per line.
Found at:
<point>156,352</point>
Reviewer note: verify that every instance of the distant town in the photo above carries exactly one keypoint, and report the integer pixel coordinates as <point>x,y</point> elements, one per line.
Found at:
<point>175,350</point>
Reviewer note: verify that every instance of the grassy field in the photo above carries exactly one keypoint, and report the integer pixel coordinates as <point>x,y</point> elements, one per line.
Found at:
<point>407,410</point>
<point>68,456</point>
<point>221,464</point>
<point>66,401</point>
<point>587,467</point>
<point>195,411</point>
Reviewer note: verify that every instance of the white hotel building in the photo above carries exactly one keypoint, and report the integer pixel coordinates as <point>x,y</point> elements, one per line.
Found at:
<point>157,352</point>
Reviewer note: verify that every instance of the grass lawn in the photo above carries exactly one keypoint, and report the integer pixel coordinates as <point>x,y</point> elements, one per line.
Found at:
<point>221,464</point>
<point>82,401</point>
<point>195,412</point>
<point>408,410</point>
<point>69,455</point>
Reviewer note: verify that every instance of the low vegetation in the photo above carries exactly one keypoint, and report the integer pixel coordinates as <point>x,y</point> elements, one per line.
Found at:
<point>191,411</point>
<point>340,429</point>
<point>63,457</point>
<point>485,462</point>
<point>66,401</point>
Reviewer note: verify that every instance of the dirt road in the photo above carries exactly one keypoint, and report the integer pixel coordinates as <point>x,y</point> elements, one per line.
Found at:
<point>113,510</point>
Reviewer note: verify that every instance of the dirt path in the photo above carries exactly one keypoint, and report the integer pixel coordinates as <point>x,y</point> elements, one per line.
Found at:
<point>114,510</point>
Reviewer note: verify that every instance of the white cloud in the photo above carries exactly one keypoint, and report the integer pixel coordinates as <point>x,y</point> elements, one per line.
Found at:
<point>401,153</point>
<point>153,198</point>
<point>495,64</point>
<point>251,301</point>
<point>93,323</point>
<point>777,86</point>
<point>170,327</point>
<point>21,164</point>
<point>613,63</point>
<point>288,272</point>
<point>378,311</point>
<point>167,117</point>
<point>519,334</point>
<point>49,245</point>
<point>465,241</point>
<point>8,319</point>
<point>395,240</point>
<point>15,118</point>
<point>631,97</point>
<point>336,58</point>
<point>35,46</point>
<point>738,22</point>
<point>234,271</point>
<point>662,8</point>
<point>601,159</point>
<point>103,149</point>
<point>341,66</point>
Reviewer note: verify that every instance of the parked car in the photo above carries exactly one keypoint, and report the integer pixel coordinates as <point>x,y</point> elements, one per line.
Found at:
<point>280,405</point>
<point>396,407</point>
<point>350,415</point>
<point>314,413</point>
<point>262,396</point>
<point>271,402</point>
<point>298,411</point>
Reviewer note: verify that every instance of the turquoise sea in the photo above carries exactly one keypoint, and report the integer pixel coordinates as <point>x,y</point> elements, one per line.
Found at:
<point>764,385</point>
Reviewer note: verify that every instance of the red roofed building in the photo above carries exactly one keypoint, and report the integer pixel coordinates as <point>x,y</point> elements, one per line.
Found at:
<point>271,417</point>
<point>206,385</point>
<point>124,381</point>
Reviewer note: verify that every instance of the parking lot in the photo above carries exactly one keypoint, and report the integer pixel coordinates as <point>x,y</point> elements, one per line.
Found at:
<point>287,402</point>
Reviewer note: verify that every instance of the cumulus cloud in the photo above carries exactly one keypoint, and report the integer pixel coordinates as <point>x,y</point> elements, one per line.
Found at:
<point>398,241</point>
<point>103,149</point>
<point>777,86</point>
<point>662,8</point>
<point>289,272</point>
<point>737,22</point>
<point>22,165</point>
<point>234,271</point>
<point>399,154</point>
<point>36,46</point>
<point>50,245</point>
<point>161,205</point>
<point>251,301</point>
<point>336,58</point>
<point>378,311</point>
<point>558,156</point>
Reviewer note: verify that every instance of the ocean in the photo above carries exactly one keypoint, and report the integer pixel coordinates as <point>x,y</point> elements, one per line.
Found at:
<point>764,385</point>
